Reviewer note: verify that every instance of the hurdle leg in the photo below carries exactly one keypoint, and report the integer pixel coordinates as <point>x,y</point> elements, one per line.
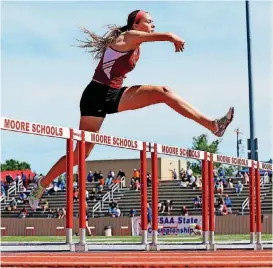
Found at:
<point>154,195</point>
<point>252,203</point>
<point>211,203</point>
<point>258,207</point>
<point>82,188</point>
<point>69,188</point>
<point>205,199</point>
<point>144,218</point>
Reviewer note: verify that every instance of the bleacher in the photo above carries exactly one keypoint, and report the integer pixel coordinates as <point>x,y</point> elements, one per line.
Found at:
<point>128,199</point>
<point>56,200</point>
<point>185,196</point>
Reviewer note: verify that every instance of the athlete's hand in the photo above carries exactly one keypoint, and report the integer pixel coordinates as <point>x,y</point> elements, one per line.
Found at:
<point>179,43</point>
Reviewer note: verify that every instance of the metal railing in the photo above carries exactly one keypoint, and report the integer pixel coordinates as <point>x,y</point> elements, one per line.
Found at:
<point>246,201</point>
<point>109,195</point>
<point>11,190</point>
<point>95,208</point>
<point>117,187</point>
<point>19,184</point>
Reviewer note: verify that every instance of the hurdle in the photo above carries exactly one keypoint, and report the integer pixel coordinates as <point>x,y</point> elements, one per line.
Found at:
<point>207,159</point>
<point>82,137</point>
<point>208,214</point>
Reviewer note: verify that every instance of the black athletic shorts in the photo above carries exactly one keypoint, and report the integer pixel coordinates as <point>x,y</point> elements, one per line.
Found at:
<point>99,99</point>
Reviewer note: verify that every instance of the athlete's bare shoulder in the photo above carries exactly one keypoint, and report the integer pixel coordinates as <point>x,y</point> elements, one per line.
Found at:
<point>122,43</point>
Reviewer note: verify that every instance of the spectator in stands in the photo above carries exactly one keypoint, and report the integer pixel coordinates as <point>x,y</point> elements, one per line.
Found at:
<point>120,174</point>
<point>30,179</point>
<point>184,211</point>
<point>90,176</point>
<point>223,211</point>
<point>44,205</point>
<point>239,188</point>
<point>137,185</point>
<point>75,182</point>
<point>133,212</point>
<point>220,200</point>
<point>116,213</point>
<point>149,214</point>
<point>246,178</point>
<point>100,188</point>
<point>86,195</point>
<point>174,174</point>
<point>160,206</point>
<point>75,194</point>
<point>110,177</point>
<point>228,203</point>
<point>189,173</point>
<point>182,174</point>
<point>136,175</point>
<point>198,182</point>
<point>167,206</point>
<point>9,179</point>
<point>24,178</point>
<point>149,179</point>
<point>23,189</point>
<point>229,183</point>
<point>112,206</point>
<point>197,202</point>
<point>35,178</point>
<point>192,180</point>
<point>23,198</point>
<point>239,175</point>
<point>58,213</point>
<point>221,173</point>
<point>133,184</point>
<point>23,213</point>
<point>62,213</point>
<point>61,183</point>
<point>52,188</point>
<point>3,191</point>
<point>220,187</point>
<point>96,176</point>
<point>117,179</point>
<point>12,205</point>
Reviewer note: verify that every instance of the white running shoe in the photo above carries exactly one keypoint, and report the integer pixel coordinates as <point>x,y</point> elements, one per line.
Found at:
<point>36,194</point>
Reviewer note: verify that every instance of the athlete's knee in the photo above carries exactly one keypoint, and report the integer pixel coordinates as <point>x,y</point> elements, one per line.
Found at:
<point>163,93</point>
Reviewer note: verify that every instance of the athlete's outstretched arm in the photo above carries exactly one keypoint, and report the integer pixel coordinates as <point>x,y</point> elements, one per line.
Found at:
<point>133,37</point>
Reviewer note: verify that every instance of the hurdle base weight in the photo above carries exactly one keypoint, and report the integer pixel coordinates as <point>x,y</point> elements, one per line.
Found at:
<point>211,247</point>
<point>259,246</point>
<point>78,247</point>
<point>153,247</point>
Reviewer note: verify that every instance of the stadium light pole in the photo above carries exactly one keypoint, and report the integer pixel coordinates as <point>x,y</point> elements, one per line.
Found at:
<point>252,145</point>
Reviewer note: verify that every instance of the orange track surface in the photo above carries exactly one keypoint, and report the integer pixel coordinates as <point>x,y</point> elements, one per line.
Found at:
<point>174,259</point>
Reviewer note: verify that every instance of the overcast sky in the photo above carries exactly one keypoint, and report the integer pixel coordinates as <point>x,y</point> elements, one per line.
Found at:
<point>43,74</point>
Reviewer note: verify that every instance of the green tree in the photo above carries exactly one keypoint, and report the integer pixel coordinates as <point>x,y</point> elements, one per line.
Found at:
<point>12,164</point>
<point>202,143</point>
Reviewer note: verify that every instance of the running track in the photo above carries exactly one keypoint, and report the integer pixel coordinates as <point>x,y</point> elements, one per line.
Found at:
<point>173,259</point>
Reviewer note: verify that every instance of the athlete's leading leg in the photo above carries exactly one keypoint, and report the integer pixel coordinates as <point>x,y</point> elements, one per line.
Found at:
<point>142,96</point>
<point>88,123</point>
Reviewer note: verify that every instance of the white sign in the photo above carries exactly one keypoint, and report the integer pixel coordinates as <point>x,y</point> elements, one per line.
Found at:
<point>34,128</point>
<point>230,160</point>
<point>179,151</point>
<point>113,141</point>
<point>179,225</point>
<point>265,166</point>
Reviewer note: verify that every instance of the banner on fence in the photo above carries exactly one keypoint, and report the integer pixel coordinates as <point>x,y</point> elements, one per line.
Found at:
<point>168,225</point>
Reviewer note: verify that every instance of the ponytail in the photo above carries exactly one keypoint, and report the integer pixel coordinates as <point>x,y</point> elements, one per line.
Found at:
<point>96,45</point>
